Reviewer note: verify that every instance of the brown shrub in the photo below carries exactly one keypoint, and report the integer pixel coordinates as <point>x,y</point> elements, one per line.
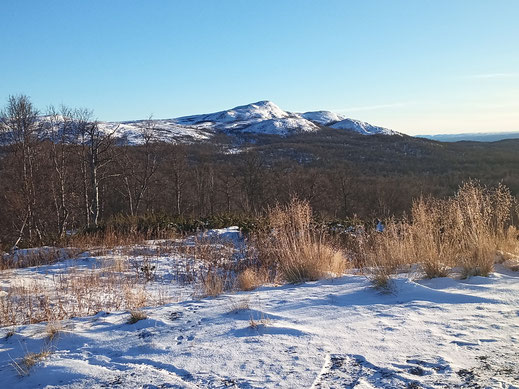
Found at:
<point>136,316</point>
<point>249,279</point>
<point>212,284</point>
<point>298,251</point>
<point>465,231</point>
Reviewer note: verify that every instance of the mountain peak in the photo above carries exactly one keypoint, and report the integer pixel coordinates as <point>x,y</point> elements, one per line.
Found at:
<point>263,103</point>
<point>263,107</point>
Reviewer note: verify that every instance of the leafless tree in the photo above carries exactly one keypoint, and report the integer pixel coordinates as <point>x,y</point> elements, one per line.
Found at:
<point>138,170</point>
<point>19,122</point>
<point>178,165</point>
<point>62,124</point>
<point>227,185</point>
<point>98,153</point>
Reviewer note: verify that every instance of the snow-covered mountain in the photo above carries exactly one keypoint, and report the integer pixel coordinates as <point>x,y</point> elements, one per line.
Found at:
<point>262,117</point>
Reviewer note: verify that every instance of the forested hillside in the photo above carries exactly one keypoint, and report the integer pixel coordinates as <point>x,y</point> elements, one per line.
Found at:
<point>82,177</point>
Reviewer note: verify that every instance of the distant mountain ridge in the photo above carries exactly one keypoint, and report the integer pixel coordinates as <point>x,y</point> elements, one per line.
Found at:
<point>474,137</point>
<point>262,117</point>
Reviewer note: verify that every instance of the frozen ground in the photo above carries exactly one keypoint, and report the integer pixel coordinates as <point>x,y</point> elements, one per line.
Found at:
<point>338,333</point>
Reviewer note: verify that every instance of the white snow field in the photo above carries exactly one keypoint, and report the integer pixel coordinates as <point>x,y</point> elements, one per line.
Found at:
<point>335,333</point>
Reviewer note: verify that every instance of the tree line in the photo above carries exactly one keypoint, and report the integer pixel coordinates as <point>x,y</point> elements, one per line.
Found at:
<point>62,173</point>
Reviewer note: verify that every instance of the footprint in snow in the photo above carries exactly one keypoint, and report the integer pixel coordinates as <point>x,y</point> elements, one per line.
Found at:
<point>175,315</point>
<point>354,371</point>
<point>145,334</point>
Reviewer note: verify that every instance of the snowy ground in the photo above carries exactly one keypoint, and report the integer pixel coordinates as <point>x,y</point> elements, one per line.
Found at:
<point>338,333</point>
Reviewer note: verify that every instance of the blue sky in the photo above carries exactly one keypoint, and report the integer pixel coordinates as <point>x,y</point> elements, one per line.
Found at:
<point>415,66</point>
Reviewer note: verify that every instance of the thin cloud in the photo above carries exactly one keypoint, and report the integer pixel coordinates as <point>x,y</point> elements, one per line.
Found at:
<point>372,107</point>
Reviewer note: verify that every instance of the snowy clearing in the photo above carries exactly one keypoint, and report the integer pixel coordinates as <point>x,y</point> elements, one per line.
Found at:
<point>337,333</point>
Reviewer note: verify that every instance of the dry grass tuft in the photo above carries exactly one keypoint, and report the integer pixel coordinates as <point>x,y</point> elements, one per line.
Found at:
<point>249,279</point>
<point>136,316</point>
<point>465,231</point>
<point>297,250</point>
<point>9,334</point>
<point>239,305</point>
<point>257,324</point>
<point>213,284</point>
<point>29,360</point>
<point>53,329</point>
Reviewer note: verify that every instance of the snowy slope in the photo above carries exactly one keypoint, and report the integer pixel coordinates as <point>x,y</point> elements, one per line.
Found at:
<point>362,127</point>
<point>324,118</point>
<point>341,122</point>
<point>340,333</point>
<point>164,130</point>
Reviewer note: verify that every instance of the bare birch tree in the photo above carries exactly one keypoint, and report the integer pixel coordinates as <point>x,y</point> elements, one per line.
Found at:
<point>97,152</point>
<point>19,122</point>
<point>138,170</point>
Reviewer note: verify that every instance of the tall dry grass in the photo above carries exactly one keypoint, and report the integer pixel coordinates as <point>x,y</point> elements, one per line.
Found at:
<point>75,293</point>
<point>465,231</point>
<point>35,257</point>
<point>298,251</point>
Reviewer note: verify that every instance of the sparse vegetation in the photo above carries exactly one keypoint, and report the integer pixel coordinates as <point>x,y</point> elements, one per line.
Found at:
<point>35,257</point>
<point>239,305</point>
<point>53,329</point>
<point>464,234</point>
<point>29,360</point>
<point>213,283</point>
<point>259,323</point>
<point>73,293</point>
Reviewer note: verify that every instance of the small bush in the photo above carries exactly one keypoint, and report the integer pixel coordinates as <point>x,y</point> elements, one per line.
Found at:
<point>9,334</point>
<point>249,279</point>
<point>53,329</point>
<point>136,316</point>
<point>466,231</point>
<point>213,284</point>
<point>239,305</point>
<point>299,251</point>
<point>256,324</point>
<point>29,360</point>
<point>380,278</point>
